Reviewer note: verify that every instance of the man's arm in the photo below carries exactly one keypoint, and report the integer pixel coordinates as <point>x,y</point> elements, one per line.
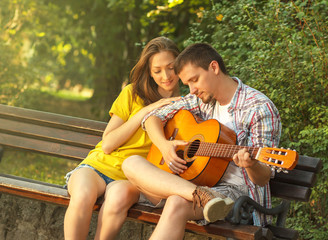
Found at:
<point>264,130</point>
<point>258,173</point>
<point>154,128</point>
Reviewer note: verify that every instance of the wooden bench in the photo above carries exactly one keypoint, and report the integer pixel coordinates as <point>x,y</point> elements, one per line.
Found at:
<point>72,138</point>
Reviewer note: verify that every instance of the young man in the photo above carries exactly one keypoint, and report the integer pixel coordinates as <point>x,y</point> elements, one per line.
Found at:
<point>213,94</point>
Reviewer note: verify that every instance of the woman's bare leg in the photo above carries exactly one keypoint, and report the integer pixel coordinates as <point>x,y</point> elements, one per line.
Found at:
<point>119,197</point>
<point>84,187</point>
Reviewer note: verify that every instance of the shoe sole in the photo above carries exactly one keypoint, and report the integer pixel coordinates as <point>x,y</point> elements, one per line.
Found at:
<point>217,209</point>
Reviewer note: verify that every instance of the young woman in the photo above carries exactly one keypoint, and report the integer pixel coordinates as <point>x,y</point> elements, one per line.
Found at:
<point>153,84</point>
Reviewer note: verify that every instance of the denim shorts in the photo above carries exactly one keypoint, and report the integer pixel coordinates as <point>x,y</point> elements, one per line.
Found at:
<point>103,176</point>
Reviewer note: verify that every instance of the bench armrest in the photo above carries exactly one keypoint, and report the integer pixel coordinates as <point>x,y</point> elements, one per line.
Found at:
<point>244,206</point>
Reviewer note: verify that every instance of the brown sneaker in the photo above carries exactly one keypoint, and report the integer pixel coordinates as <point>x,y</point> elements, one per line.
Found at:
<point>215,205</point>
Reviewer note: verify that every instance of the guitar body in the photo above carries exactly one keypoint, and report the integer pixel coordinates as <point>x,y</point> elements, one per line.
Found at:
<point>201,170</point>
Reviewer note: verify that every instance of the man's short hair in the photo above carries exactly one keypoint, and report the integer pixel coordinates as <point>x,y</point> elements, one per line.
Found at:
<point>200,55</point>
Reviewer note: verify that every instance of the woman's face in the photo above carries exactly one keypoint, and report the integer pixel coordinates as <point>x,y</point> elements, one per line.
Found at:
<point>161,69</point>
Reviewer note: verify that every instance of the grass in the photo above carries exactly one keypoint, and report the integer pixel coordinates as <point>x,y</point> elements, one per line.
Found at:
<point>36,166</point>
<point>70,94</point>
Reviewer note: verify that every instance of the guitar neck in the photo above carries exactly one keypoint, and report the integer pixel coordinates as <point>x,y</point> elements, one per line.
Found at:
<point>222,150</point>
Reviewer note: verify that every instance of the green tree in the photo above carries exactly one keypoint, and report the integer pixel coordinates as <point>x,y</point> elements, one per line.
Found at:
<point>91,43</point>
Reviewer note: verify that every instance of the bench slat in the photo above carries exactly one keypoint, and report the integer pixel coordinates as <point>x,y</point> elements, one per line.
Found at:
<point>310,164</point>
<point>48,133</point>
<point>297,177</point>
<point>290,191</point>
<point>48,148</point>
<point>46,118</point>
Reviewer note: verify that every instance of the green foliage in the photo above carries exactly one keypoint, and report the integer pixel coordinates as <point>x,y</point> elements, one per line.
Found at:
<point>280,48</point>
<point>40,47</point>
<point>94,44</point>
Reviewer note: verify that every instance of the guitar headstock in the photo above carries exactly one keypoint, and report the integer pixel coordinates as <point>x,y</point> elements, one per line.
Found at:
<point>279,158</point>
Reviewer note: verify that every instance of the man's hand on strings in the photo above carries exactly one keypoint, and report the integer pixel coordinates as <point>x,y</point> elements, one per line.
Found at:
<point>175,163</point>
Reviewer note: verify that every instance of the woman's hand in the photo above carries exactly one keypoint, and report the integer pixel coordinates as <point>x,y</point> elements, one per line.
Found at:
<point>160,103</point>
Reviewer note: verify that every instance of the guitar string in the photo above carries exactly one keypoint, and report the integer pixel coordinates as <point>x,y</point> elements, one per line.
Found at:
<point>223,150</point>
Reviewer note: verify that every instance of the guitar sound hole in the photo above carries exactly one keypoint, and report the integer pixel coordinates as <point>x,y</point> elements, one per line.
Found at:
<point>189,164</point>
<point>193,148</point>
<point>180,154</point>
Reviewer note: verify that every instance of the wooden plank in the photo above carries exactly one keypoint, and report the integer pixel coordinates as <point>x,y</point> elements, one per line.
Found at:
<point>32,184</point>
<point>290,191</point>
<point>226,229</point>
<point>33,189</point>
<point>48,133</point>
<point>46,119</point>
<point>310,164</point>
<point>34,194</point>
<point>297,177</point>
<point>48,148</point>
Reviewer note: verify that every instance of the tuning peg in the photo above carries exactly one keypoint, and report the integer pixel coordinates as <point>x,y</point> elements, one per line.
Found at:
<point>279,170</point>
<point>285,171</point>
<point>273,168</point>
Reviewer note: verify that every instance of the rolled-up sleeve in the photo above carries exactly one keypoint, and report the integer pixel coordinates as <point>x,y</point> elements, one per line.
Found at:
<point>265,128</point>
<point>165,113</point>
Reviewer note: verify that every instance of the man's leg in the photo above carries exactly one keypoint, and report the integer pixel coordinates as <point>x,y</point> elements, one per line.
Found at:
<point>177,211</point>
<point>157,184</point>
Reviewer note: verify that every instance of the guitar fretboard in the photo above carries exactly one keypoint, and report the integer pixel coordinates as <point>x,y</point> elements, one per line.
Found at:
<point>219,150</point>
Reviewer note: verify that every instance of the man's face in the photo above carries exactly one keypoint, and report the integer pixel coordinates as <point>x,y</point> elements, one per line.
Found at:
<point>199,81</point>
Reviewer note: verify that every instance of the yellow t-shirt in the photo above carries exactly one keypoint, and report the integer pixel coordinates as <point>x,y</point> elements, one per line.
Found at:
<point>139,144</point>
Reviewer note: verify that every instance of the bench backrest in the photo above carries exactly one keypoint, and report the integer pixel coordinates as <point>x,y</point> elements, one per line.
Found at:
<point>297,184</point>
<point>48,133</point>
<point>72,138</point>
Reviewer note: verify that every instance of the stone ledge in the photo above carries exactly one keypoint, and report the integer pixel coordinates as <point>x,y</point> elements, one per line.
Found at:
<point>27,219</point>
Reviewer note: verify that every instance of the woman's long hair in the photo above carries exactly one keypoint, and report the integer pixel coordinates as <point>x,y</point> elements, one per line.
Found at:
<point>143,84</point>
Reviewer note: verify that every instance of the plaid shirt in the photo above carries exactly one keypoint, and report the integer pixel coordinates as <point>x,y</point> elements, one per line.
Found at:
<point>256,122</point>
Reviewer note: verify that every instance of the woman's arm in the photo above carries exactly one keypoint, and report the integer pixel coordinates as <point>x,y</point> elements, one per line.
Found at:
<point>118,132</point>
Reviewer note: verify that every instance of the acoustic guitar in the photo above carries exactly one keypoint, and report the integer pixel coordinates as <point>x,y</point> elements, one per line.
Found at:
<point>211,147</point>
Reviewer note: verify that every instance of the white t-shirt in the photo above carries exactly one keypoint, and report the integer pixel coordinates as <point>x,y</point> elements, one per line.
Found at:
<point>233,173</point>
